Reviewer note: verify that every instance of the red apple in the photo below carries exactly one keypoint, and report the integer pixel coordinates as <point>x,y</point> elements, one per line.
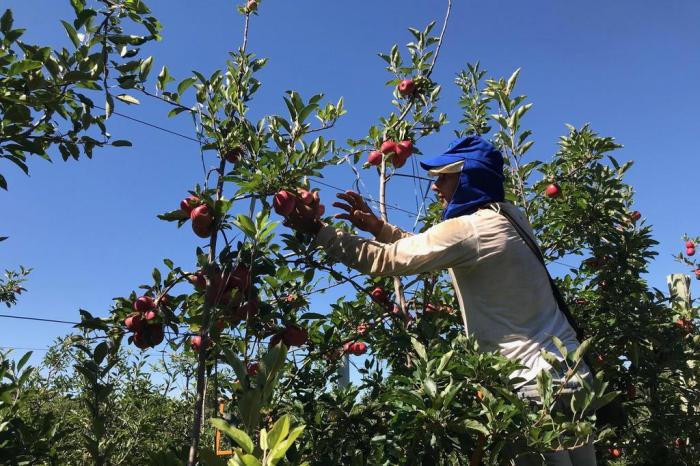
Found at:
<point>253,368</point>
<point>294,335</point>
<point>134,322</point>
<point>196,343</point>
<point>679,443</point>
<point>305,197</point>
<point>141,340</point>
<point>631,392</point>
<point>404,148</point>
<point>186,205</point>
<point>615,452</point>
<point>398,160</point>
<point>239,279</point>
<point>144,303</point>
<point>480,395</point>
<point>234,155</point>
<point>284,203</point>
<point>388,147</point>
<point>347,347</point>
<point>250,309</point>
<point>277,338</point>
<point>202,221</point>
<point>379,295</point>
<point>358,348</point>
<point>685,325</point>
<point>150,315</point>
<point>197,279</point>
<point>375,158</point>
<point>697,274</point>
<point>636,215</point>
<point>689,244</point>
<point>252,5</point>
<point>155,334</point>
<point>362,329</point>
<point>407,87</point>
<point>220,324</point>
<point>690,251</point>
<point>553,190</point>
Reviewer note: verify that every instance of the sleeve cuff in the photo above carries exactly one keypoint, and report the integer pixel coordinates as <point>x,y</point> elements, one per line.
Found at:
<point>325,236</point>
<point>386,233</point>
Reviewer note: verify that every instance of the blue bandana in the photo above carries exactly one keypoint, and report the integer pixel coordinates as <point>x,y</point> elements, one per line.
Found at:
<point>481,178</point>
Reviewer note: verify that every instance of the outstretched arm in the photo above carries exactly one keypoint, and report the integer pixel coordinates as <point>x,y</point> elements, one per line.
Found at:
<point>449,244</point>
<point>361,216</point>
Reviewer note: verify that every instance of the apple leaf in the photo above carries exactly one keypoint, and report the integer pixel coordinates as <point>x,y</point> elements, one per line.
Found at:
<point>237,435</point>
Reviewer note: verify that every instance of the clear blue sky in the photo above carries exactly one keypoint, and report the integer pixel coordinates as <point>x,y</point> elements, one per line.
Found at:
<point>631,68</point>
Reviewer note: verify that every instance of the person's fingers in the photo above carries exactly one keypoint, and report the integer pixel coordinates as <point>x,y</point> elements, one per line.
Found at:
<point>343,206</point>
<point>347,198</point>
<point>343,217</point>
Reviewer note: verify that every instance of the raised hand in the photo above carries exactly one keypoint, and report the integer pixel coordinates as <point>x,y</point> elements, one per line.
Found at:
<point>358,213</point>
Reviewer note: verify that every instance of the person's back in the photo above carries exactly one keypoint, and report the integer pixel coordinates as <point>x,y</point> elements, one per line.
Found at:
<point>506,294</point>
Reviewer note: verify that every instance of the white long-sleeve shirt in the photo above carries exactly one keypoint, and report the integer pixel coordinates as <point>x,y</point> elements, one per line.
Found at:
<point>503,290</point>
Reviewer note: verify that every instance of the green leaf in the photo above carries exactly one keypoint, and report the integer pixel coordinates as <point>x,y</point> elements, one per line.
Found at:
<point>581,350</point>
<point>281,448</point>
<point>560,346</point>
<point>185,84</point>
<point>237,435</point>
<point>122,143</point>
<point>245,460</point>
<point>475,425</point>
<point>430,388</point>
<point>419,348</point>
<point>6,21</point>
<point>279,431</point>
<point>128,99</point>
<point>72,34</point>
<point>23,66</point>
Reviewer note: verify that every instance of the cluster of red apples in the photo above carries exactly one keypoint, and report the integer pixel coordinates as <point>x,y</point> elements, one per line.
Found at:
<point>285,202</point>
<point>144,322</point>
<point>398,153</point>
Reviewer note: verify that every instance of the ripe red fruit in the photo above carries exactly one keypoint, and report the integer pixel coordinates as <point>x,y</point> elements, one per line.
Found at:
<point>684,324</point>
<point>144,303</point>
<point>347,347</point>
<point>277,338</point>
<point>250,309</point>
<point>480,395</point>
<point>305,197</point>
<point>220,324</point>
<point>379,295</point>
<point>134,322</point>
<point>196,343</point>
<point>155,334</point>
<point>362,329</point>
<point>252,5</point>
<point>284,203</point>
<point>689,244</point>
<point>140,340</point>
<point>615,452</point>
<point>358,348</point>
<point>631,392</point>
<point>294,335</point>
<point>253,368</point>
<point>697,274</point>
<point>202,221</point>
<point>690,251</point>
<point>233,155</point>
<point>375,157</point>
<point>636,215</point>
<point>239,279</point>
<point>553,190</point>
<point>404,148</point>
<point>388,147</point>
<point>398,161</point>
<point>186,205</point>
<point>407,87</point>
<point>150,315</point>
<point>197,279</point>
<point>679,443</point>
<point>431,308</point>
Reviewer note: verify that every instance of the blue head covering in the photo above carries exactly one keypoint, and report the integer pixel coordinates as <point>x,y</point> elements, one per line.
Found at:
<point>481,178</point>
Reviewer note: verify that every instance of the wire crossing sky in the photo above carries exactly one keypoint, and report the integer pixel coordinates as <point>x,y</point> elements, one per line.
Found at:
<point>89,228</point>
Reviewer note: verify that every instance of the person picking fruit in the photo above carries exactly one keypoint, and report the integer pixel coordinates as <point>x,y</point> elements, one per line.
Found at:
<point>503,290</point>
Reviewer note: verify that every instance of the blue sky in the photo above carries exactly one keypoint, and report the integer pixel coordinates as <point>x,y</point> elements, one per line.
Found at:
<point>89,230</point>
